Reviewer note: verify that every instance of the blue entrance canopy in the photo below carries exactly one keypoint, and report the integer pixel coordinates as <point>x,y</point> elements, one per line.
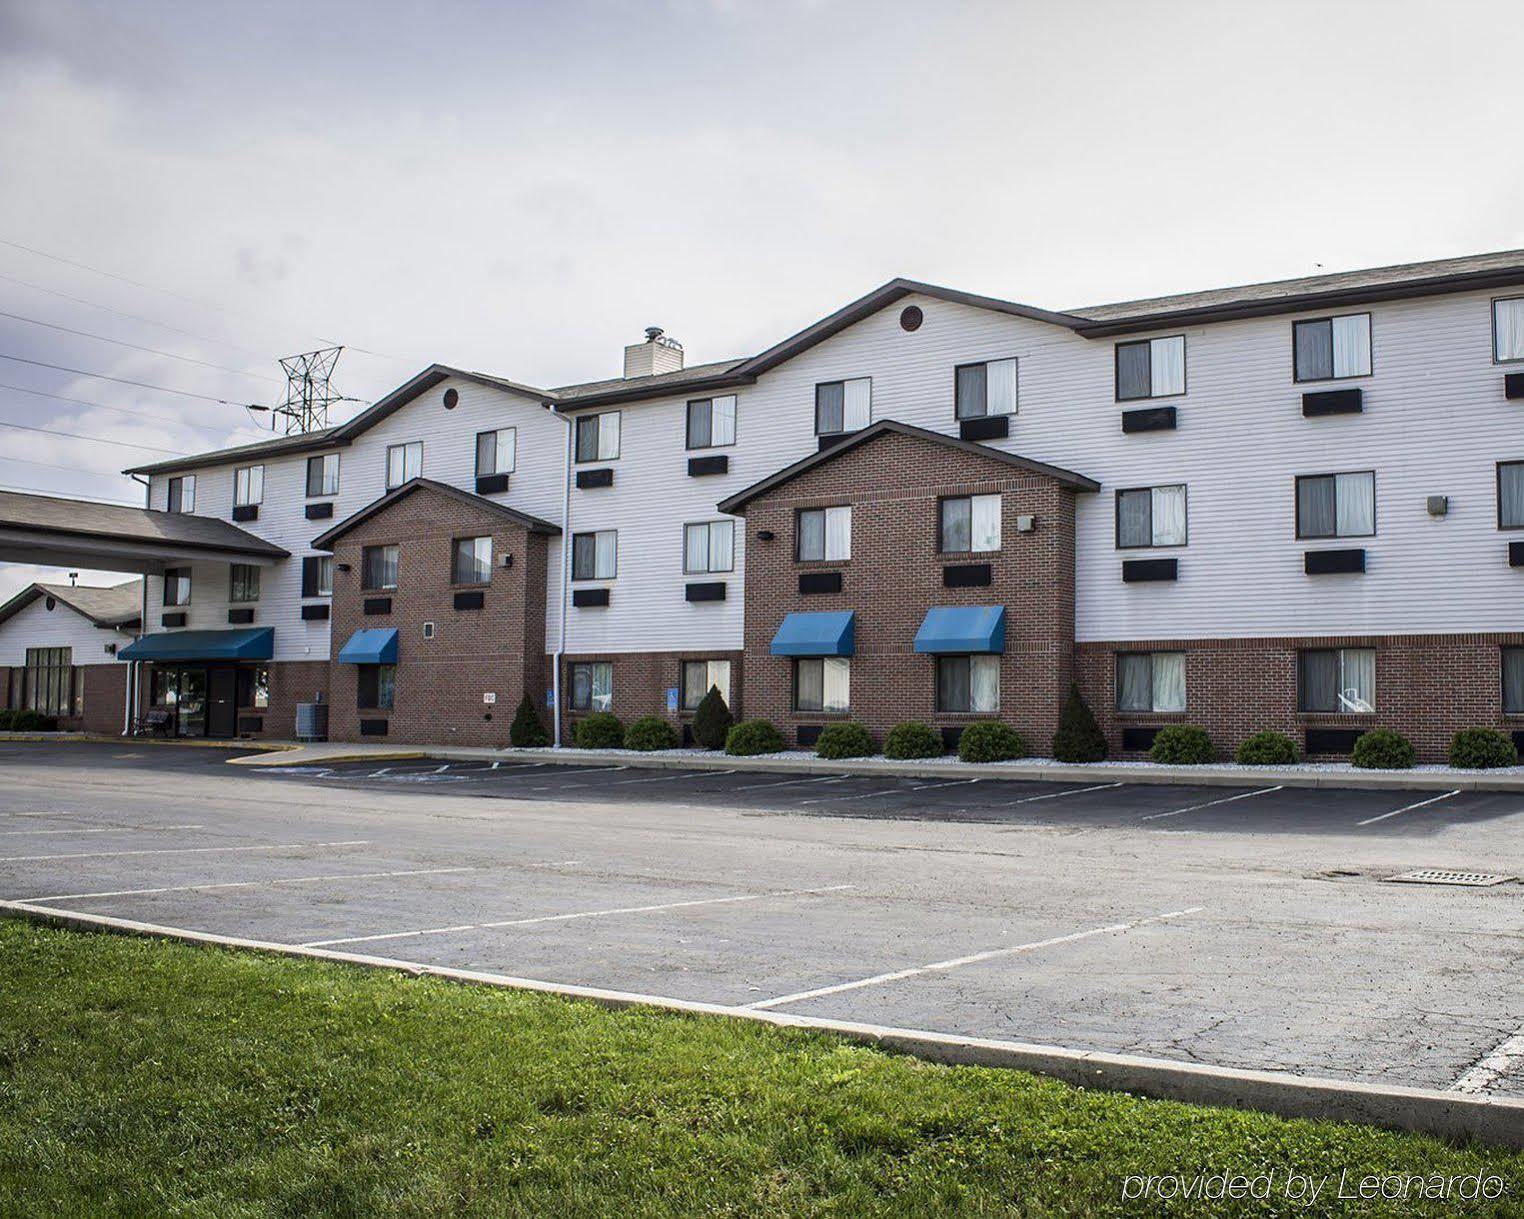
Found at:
<point>375,646</point>
<point>250,643</point>
<point>818,634</point>
<point>962,628</point>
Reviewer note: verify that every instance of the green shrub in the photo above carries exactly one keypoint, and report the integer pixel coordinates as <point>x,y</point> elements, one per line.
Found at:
<point>1079,738</point>
<point>1267,748</point>
<point>913,740</point>
<point>650,732</point>
<point>1383,749</point>
<point>6,716</point>
<point>1482,749</point>
<point>32,721</point>
<point>751,737</point>
<point>990,741</point>
<point>526,731</point>
<point>1182,745</point>
<point>600,730</point>
<point>843,741</point>
<point>712,720</point>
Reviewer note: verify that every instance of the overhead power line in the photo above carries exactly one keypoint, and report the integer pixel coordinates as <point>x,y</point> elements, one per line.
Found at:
<point>169,355</point>
<point>121,444</point>
<point>136,414</point>
<point>100,376</point>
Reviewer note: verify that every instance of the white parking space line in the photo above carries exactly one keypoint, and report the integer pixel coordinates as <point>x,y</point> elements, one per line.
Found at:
<point>972,959</point>
<point>104,829</point>
<point>280,846</point>
<point>749,787</point>
<point>1500,1061</point>
<point>1175,812</point>
<point>1073,791</point>
<point>566,918</point>
<point>1408,808</point>
<point>672,778</point>
<point>249,884</point>
<point>558,787</point>
<point>945,783</point>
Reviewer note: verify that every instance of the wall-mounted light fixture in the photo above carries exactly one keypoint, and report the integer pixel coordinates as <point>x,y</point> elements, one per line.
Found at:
<point>765,535</point>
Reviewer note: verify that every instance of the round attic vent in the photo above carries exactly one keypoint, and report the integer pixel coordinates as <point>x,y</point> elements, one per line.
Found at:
<point>911,317</point>
<point>451,399</point>
<point>52,603</point>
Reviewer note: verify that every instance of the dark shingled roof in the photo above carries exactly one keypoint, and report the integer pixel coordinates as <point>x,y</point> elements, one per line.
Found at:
<point>534,524</point>
<point>49,514</point>
<point>119,605</point>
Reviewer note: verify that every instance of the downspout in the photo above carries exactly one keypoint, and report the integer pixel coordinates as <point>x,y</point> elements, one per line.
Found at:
<point>565,582</point>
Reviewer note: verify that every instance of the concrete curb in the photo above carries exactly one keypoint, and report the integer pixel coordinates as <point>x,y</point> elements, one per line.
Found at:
<point>98,738</point>
<point>1455,1117</point>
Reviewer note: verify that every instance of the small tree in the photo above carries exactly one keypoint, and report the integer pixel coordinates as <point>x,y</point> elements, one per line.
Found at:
<point>649,733</point>
<point>712,720</point>
<point>1079,738</point>
<point>600,730</point>
<point>527,731</point>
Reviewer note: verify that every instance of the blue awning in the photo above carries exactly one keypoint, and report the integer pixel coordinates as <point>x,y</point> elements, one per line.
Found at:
<point>251,643</point>
<point>819,634</point>
<point>962,628</point>
<point>376,646</point>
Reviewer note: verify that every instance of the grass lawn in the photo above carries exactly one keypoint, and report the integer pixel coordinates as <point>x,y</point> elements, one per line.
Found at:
<point>156,1079</point>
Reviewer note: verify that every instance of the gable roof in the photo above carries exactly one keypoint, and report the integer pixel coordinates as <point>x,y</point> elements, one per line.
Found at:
<point>534,524</point>
<point>82,518</point>
<point>737,502</point>
<point>120,605</point>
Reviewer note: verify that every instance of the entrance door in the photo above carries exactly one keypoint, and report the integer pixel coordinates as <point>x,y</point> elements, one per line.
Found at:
<point>222,702</point>
<point>192,702</point>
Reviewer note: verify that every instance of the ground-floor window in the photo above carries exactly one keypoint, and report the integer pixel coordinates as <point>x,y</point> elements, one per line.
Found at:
<point>377,685</point>
<point>968,683</point>
<point>1150,681</point>
<point>1337,679</point>
<point>592,685</point>
<point>15,689</point>
<point>701,676</point>
<point>822,683</point>
<point>1513,681</point>
<point>254,687</point>
<point>52,685</point>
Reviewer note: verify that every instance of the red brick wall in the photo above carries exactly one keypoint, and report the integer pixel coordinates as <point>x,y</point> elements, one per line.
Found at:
<point>893,484</point>
<point>641,682</point>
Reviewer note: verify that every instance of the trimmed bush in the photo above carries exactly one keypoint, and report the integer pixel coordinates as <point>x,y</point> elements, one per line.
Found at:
<point>600,730</point>
<point>1482,749</point>
<point>913,740</point>
<point>6,716</point>
<point>712,720</point>
<point>1383,749</point>
<point>1182,745</point>
<point>650,732</point>
<point>843,741</point>
<point>33,721</point>
<point>990,741</point>
<point>751,737</point>
<point>527,731</point>
<point>1267,748</point>
<point>1079,738</point>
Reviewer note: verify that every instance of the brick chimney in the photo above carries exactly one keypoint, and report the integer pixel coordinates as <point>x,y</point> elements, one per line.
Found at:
<point>657,354</point>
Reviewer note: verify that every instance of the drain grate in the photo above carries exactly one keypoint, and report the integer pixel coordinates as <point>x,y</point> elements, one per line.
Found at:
<point>1443,876</point>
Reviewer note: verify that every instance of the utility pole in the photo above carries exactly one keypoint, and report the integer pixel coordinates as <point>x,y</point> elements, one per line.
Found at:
<point>309,392</point>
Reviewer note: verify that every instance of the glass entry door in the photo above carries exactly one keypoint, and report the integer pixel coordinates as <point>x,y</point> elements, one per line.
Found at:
<point>192,708</point>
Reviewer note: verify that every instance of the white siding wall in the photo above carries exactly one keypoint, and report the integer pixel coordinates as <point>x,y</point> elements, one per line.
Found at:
<point>61,627</point>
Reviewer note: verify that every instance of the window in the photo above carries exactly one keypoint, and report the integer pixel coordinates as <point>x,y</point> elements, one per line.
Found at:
<point>701,676</point>
<point>404,462</point>
<point>317,575</point>
<point>50,682</point>
<point>376,687</point>
<point>243,582</point>
<point>825,533</point>
<point>968,683</point>
<point>1152,368</point>
<point>496,452</point>
<point>1513,681</point>
<point>985,389</point>
<point>1511,495</point>
<point>471,561</point>
<point>595,556</point>
<point>592,686</point>
<point>970,522</point>
<point>323,475</point>
<point>709,547</point>
<point>843,406</point>
<point>1336,505</point>
<point>598,437</point>
<point>248,485</point>
<point>1150,681</point>
<point>712,422</point>
<point>182,493</point>
<point>1337,679</point>
<point>254,687</point>
<point>378,567</point>
<point>1329,348</point>
<point>177,586</point>
<point>822,683</point>
<point>1508,329</point>
<point>1151,516</point>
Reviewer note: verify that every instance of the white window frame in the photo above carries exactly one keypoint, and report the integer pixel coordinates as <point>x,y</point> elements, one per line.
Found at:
<point>248,486</point>
<point>410,453</point>
<point>1516,303</point>
<point>187,494</point>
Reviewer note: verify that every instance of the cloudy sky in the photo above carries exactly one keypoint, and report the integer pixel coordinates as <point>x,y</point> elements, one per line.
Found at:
<point>523,187</point>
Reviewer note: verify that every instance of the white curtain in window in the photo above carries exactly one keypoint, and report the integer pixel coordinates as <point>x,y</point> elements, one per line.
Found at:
<point>606,553</point>
<point>507,450</point>
<point>723,421</point>
<point>721,540</point>
<point>836,683</point>
<point>1508,329</point>
<point>1167,375</point>
<point>608,436</point>
<point>1511,494</point>
<point>1169,681</point>
<point>695,548</point>
<point>838,533</point>
<point>857,410</point>
<point>719,678</point>
<point>1355,504</point>
<point>412,461</point>
<point>603,686</point>
<point>1352,345</point>
<point>1357,679</point>
<point>1169,516</point>
<point>1000,387</point>
<point>1134,674</point>
<point>984,683</point>
<point>985,517</point>
<point>1513,681</point>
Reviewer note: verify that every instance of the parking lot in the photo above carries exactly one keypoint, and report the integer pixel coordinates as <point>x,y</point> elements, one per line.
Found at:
<point>1243,926</point>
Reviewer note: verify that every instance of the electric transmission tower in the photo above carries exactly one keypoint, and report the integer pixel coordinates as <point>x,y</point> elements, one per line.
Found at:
<point>309,391</point>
